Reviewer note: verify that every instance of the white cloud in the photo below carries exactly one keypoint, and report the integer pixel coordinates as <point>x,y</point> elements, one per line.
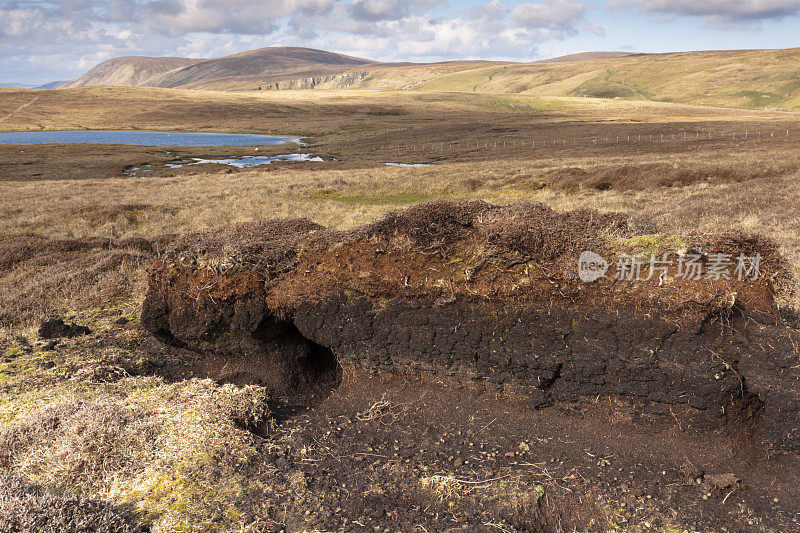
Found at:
<point>76,34</point>
<point>548,14</point>
<point>719,11</point>
<point>374,10</point>
<point>595,29</point>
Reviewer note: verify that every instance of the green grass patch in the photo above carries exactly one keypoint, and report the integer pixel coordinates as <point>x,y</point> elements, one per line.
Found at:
<point>656,243</point>
<point>604,87</point>
<point>759,99</point>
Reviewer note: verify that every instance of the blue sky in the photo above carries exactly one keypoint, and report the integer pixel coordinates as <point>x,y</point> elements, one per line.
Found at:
<point>46,40</point>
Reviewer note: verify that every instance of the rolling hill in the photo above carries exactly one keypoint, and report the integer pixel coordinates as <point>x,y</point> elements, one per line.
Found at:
<point>131,70</point>
<point>738,78</point>
<point>238,71</point>
<point>12,85</point>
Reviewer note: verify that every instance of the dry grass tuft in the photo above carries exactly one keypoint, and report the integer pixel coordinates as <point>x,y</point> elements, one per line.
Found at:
<point>42,277</point>
<point>27,507</point>
<point>172,452</point>
<point>97,215</point>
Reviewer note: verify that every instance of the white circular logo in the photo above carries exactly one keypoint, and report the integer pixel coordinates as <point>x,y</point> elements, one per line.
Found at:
<point>591,267</point>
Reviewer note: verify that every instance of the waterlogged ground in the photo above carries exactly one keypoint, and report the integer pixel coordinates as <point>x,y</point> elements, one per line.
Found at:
<point>254,161</point>
<point>235,162</point>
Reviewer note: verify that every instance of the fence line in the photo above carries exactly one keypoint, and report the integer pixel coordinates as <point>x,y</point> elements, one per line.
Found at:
<point>669,137</point>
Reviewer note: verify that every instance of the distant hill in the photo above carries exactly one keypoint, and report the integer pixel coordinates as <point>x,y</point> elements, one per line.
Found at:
<point>11,85</point>
<point>243,70</point>
<point>261,66</point>
<point>751,79</point>
<point>733,78</point>
<point>131,70</point>
<point>53,84</point>
<point>584,56</point>
<point>50,85</point>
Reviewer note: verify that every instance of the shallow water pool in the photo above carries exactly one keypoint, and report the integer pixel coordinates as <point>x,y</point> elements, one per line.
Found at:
<point>253,161</point>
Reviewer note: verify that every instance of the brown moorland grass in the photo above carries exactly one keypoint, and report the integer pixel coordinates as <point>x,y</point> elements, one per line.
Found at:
<point>678,193</point>
<point>325,111</point>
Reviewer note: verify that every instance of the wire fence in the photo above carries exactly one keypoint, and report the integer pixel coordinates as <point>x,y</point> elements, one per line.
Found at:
<point>543,142</point>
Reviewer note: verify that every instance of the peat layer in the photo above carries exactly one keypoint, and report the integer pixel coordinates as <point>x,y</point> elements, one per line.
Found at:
<point>490,293</point>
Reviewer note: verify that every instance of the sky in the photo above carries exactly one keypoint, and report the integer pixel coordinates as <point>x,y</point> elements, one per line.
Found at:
<point>47,40</point>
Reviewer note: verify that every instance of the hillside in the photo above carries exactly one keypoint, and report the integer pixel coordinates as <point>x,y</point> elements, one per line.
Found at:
<point>583,56</point>
<point>246,69</point>
<point>53,84</point>
<point>239,71</point>
<point>131,70</point>
<point>751,79</point>
<point>746,79</point>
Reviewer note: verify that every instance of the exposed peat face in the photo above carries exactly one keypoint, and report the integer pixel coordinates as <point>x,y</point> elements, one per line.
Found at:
<point>494,295</point>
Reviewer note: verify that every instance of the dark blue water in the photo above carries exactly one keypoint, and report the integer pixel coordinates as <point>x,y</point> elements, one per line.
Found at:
<point>144,138</point>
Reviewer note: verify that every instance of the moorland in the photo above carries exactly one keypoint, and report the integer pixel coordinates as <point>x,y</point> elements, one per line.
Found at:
<point>93,417</point>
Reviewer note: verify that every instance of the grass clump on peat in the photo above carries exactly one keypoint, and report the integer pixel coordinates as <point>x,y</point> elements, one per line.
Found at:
<point>174,454</point>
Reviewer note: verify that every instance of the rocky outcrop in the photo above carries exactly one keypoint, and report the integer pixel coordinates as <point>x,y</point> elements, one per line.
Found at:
<point>489,293</point>
<point>346,80</point>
